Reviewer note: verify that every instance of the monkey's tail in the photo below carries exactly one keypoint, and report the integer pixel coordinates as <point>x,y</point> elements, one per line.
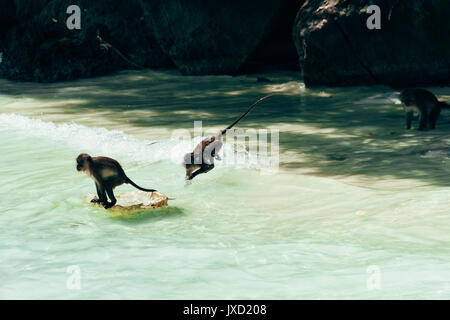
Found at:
<point>245,113</point>
<point>138,187</point>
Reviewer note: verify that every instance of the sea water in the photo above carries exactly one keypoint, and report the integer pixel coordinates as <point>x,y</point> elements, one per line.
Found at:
<point>358,208</point>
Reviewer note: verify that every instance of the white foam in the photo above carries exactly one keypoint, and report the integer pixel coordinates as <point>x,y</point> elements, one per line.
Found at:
<point>117,144</point>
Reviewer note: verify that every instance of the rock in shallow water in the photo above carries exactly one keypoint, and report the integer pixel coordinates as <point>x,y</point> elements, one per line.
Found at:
<point>336,48</point>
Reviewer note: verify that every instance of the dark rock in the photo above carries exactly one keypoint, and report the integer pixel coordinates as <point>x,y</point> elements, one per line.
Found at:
<point>262,79</point>
<point>212,36</point>
<point>336,48</point>
<point>7,16</point>
<point>196,36</point>
<point>277,50</point>
<point>38,46</point>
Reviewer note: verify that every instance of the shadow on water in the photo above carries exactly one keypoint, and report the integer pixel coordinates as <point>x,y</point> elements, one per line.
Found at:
<point>322,130</point>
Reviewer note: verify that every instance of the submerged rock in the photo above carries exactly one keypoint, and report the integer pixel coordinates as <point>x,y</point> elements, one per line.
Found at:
<point>336,48</point>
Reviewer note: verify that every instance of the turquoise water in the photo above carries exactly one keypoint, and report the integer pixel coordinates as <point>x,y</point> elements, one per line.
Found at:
<point>354,193</point>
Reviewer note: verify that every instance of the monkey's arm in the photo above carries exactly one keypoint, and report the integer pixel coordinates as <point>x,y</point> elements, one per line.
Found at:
<point>101,194</point>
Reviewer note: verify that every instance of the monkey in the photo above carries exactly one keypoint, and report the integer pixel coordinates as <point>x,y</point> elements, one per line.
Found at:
<point>201,160</point>
<point>424,103</point>
<point>107,174</point>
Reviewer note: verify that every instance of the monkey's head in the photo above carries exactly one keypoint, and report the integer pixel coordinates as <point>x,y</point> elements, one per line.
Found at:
<point>83,162</point>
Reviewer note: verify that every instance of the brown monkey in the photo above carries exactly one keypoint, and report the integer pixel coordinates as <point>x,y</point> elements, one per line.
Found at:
<point>107,174</point>
<point>424,103</point>
<point>201,160</point>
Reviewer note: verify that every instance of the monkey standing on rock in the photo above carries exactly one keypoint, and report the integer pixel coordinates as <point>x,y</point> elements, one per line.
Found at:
<point>107,174</point>
<point>201,160</point>
<point>423,102</point>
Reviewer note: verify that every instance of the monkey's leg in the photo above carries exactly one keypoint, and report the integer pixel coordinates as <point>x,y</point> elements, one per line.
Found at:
<point>101,195</point>
<point>113,199</point>
<point>190,169</point>
<point>203,169</point>
<point>423,120</point>
<point>434,115</point>
<point>409,115</point>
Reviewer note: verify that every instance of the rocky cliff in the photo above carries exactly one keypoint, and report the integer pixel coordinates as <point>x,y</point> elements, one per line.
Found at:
<point>333,45</point>
<point>336,48</point>
<point>38,46</point>
<point>195,36</point>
